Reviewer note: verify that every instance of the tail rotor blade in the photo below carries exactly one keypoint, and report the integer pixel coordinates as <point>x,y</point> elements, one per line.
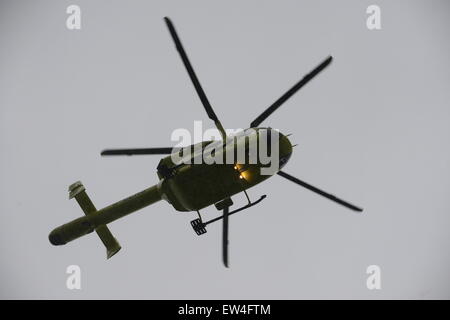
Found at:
<point>290,92</point>
<point>320,192</point>
<point>139,151</point>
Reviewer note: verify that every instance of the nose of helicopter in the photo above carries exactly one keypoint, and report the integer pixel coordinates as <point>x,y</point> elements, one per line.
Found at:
<point>285,149</point>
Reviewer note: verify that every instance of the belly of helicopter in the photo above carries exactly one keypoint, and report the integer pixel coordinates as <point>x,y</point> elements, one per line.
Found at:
<point>197,186</point>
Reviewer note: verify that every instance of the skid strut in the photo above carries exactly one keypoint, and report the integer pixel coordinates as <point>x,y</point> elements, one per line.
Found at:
<point>200,227</point>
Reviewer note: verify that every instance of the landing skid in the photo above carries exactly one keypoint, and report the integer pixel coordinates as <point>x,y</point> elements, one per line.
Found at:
<point>200,227</point>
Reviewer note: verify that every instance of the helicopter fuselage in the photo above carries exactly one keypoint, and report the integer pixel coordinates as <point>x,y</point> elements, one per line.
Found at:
<point>189,184</point>
<point>199,175</point>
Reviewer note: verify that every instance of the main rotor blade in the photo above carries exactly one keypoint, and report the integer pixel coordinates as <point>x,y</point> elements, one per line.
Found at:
<point>209,110</point>
<point>290,92</point>
<point>130,152</point>
<point>318,191</point>
<point>225,236</point>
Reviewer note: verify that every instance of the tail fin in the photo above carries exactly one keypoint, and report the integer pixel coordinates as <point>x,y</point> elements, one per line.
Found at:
<point>77,191</point>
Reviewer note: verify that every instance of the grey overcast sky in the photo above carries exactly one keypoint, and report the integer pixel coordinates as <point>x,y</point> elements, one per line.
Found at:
<point>373,128</point>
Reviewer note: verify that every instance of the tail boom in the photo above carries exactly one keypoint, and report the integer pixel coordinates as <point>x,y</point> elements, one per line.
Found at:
<point>97,220</point>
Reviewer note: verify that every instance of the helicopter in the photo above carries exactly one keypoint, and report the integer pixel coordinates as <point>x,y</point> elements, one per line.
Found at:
<point>190,186</point>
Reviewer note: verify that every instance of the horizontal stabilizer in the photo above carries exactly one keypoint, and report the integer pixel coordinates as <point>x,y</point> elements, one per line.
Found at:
<point>111,243</point>
<point>78,192</point>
